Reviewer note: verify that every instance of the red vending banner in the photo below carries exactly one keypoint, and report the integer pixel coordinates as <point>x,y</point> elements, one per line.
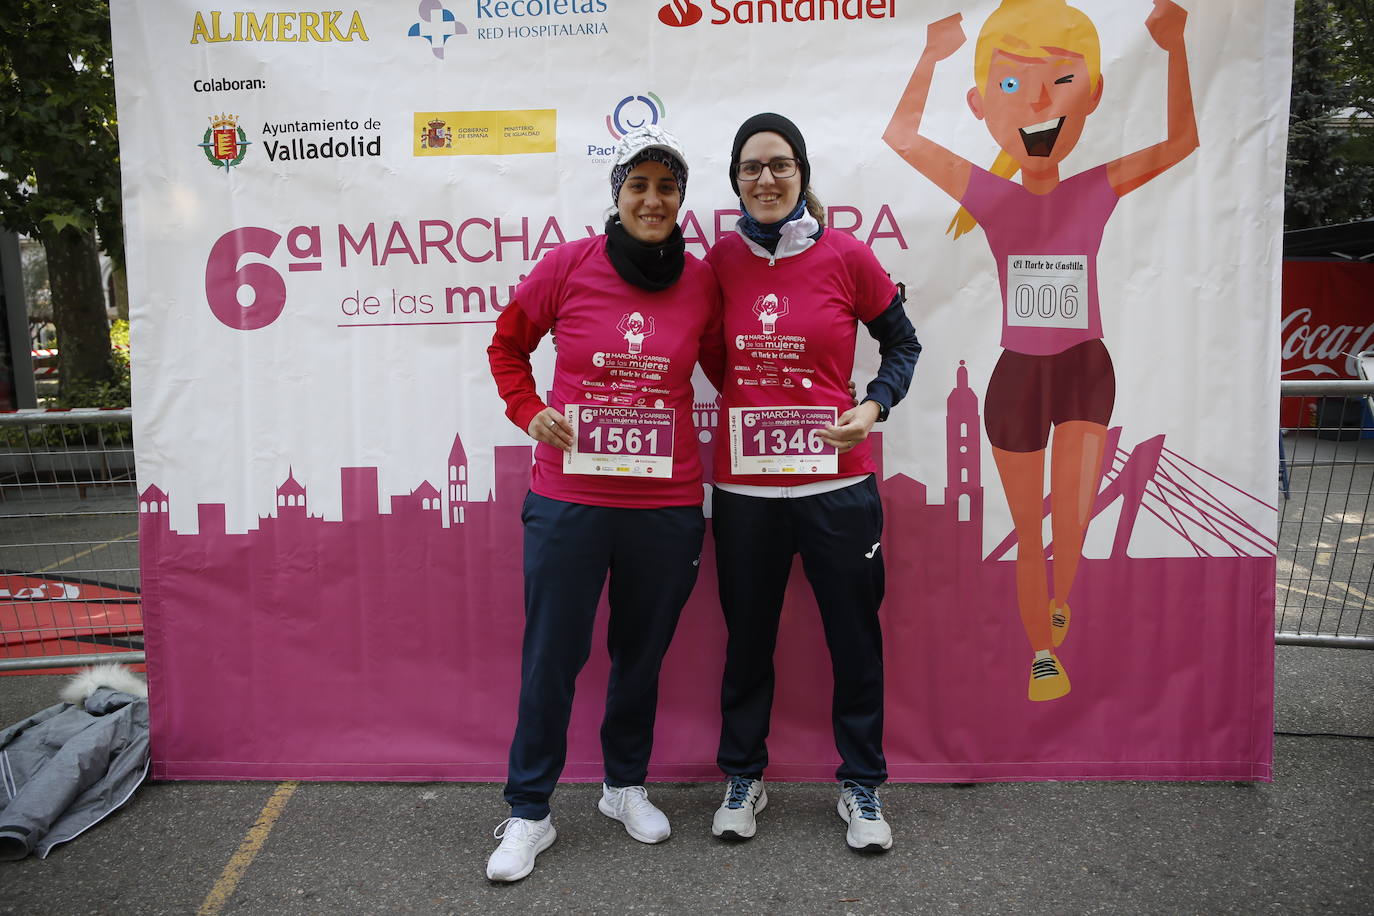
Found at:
<point>1328,318</point>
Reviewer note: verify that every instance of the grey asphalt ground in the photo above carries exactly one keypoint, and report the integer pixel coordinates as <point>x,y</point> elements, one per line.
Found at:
<point>1304,843</point>
<point>88,534</point>
<point>1325,572</point>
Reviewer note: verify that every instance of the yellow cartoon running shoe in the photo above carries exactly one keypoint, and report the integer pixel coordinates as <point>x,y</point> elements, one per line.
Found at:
<point>1059,621</point>
<point>1048,679</point>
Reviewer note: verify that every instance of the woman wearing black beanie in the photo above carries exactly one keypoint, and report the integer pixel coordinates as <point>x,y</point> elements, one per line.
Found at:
<point>794,472</point>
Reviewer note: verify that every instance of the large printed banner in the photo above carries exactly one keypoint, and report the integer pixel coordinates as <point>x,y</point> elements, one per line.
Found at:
<point>327,209</point>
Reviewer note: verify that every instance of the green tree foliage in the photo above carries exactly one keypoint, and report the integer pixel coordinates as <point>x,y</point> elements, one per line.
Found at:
<point>1356,22</point>
<point>1329,180</point>
<point>59,162</point>
<point>1356,18</point>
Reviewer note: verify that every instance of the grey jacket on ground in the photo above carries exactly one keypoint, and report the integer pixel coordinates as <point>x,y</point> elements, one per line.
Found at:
<point>67,767</point>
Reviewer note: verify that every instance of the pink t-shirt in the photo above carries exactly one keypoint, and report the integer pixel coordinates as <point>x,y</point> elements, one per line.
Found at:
<point>623,346</point>
<point>1045,246</point>
<point>789,335</point>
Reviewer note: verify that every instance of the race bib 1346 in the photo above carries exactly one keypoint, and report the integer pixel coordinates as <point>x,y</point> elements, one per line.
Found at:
<point>781,440</point>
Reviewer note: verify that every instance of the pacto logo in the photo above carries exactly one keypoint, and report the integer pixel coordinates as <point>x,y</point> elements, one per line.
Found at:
<point>679,14</point>
<point>635,111</point>
<point>251,296</point>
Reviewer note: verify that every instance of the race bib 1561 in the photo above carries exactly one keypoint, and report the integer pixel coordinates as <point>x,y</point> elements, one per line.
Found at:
<point>620,441</point>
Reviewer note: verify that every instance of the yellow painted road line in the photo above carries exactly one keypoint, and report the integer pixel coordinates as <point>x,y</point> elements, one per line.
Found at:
<point>85,553</point>
<point>219,895</point>
<point>1348,589</point>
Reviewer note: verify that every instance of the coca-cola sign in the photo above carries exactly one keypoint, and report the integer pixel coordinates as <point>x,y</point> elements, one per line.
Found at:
<point>1328,317</point>
<point>1321,350</point>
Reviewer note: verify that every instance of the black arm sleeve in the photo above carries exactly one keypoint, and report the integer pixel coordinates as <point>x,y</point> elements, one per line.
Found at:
<point>899,350</point>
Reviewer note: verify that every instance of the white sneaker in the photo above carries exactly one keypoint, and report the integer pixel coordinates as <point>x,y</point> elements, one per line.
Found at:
<point>863,812</point>
<point>744,798</point>
<point>631,806</point>
<point>521,840</point>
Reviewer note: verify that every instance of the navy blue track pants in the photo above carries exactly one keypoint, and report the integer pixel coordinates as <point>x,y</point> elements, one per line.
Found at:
<point>652,557</point>
<point>837,535</point>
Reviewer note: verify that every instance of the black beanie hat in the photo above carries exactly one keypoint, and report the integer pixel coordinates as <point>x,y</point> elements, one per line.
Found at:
<point>776,123</point>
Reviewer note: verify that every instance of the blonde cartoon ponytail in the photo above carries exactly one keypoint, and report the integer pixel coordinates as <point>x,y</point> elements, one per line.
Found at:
<point>1004,166</point>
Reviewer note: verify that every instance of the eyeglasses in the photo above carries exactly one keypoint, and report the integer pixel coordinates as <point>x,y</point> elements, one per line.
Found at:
<point>751,169</point>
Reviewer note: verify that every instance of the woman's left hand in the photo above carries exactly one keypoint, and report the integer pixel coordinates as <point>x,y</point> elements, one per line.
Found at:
<point>852,427</point>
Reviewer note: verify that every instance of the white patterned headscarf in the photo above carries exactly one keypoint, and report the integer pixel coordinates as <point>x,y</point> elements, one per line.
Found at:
<point>650,143</point>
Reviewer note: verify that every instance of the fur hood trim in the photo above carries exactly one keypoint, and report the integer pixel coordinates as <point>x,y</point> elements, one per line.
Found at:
<point>115,676</point>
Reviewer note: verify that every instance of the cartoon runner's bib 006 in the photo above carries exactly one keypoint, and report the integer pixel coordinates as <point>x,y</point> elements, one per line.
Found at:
<point>1047,291</point>
<point>781,440</point>
<point>620,441</point>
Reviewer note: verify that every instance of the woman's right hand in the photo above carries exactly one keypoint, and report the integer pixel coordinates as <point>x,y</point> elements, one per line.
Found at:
<point>944,37</point>
<point>552,428</point>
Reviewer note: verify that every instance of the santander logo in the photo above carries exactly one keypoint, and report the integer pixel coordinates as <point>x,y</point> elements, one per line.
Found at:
<point>679,13</point>
<point>682,13</point>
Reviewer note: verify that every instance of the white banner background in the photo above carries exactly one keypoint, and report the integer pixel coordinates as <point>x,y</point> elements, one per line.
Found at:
<point>1189,264</point>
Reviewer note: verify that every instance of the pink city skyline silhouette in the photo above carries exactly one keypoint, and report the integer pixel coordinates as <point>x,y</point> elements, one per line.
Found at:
<point>386,645</point>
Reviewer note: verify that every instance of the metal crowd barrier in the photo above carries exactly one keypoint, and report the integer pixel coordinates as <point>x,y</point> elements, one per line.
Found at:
<point>68,540</point>
<point>1326,528</point>
<point>69,529</point>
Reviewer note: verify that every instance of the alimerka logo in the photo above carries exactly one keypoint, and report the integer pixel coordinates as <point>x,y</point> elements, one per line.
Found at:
<point>682,13</point>
<point>325,25</point>
<point>225,144</point>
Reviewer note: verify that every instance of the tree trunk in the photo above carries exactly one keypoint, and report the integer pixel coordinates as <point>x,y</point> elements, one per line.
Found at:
<point>119,279</point>
<point>78,308</point>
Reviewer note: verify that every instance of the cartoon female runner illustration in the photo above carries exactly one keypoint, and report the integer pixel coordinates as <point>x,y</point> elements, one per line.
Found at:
<point>1037,78</point>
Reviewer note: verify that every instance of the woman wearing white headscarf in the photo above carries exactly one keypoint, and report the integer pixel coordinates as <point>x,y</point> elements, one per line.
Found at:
<point>616,488</point>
